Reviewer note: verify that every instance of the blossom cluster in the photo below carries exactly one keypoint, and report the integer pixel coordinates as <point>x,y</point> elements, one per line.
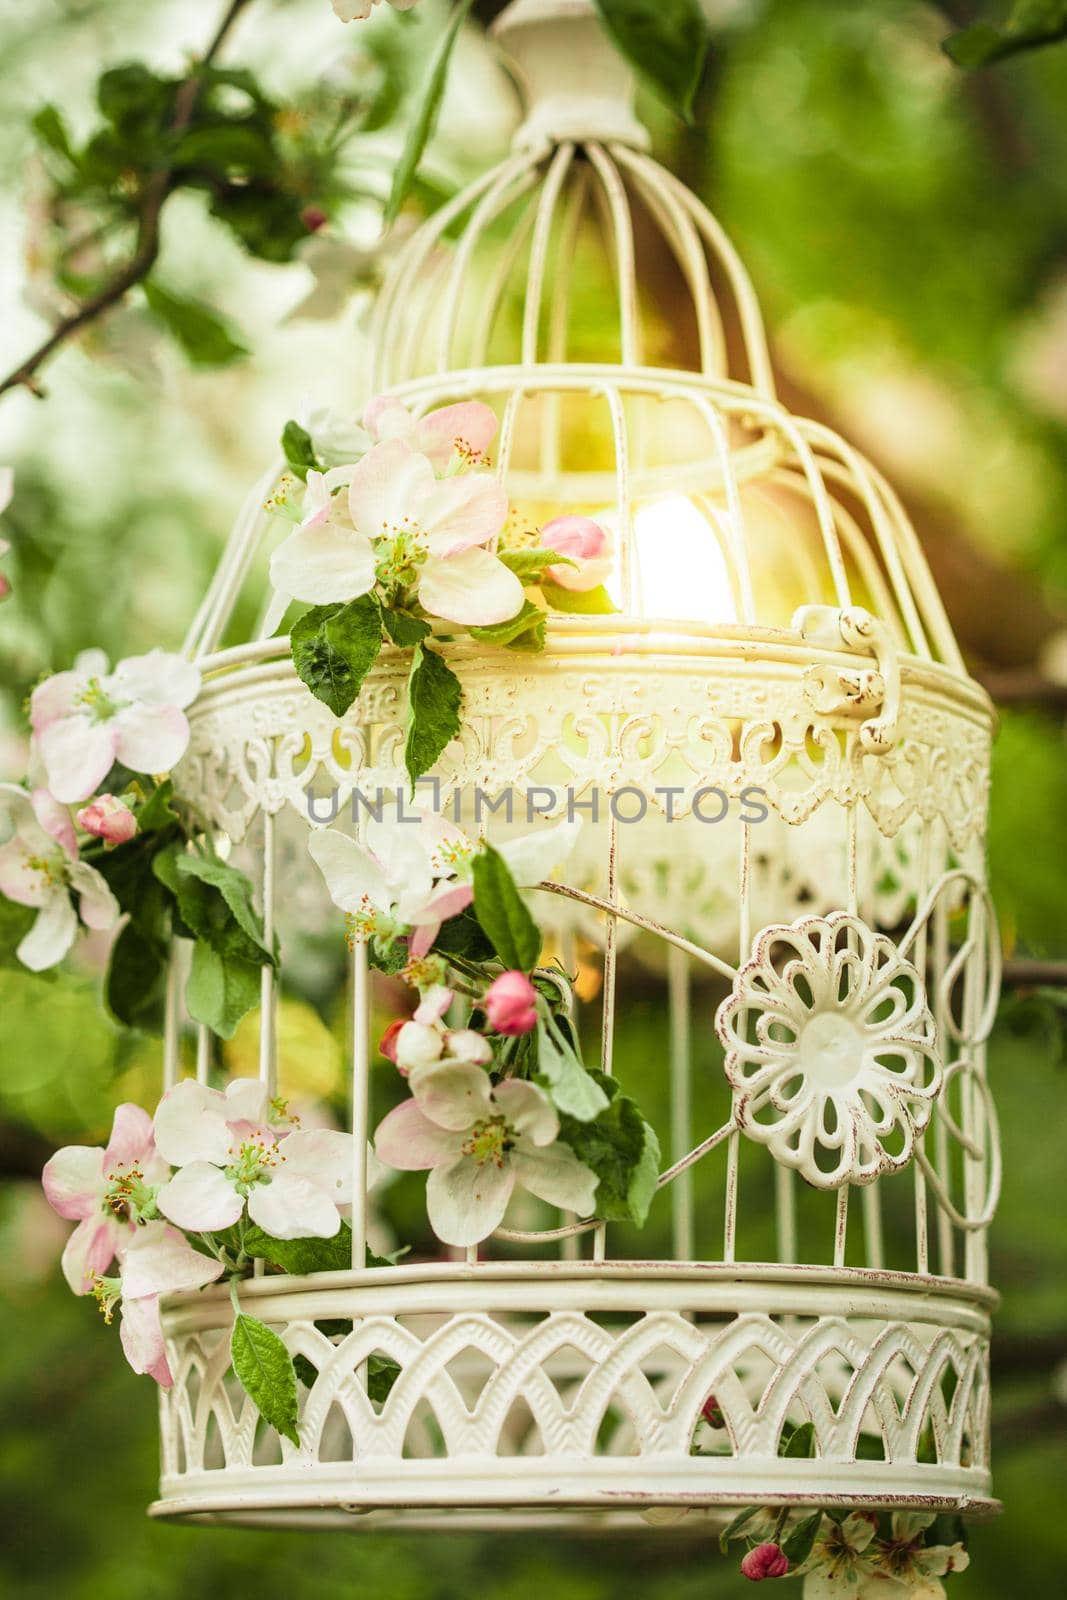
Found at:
<point>406,509</point>
<point>499,1101</point>
<point>403,533</point>
<point>170,1200</point>
<point>87,724</point>
<point>859,1555</point>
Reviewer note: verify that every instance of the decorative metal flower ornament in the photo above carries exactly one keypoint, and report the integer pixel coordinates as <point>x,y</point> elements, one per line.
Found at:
<point>831,1050</point>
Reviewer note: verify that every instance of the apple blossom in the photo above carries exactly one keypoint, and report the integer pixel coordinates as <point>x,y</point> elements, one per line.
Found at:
<point>511,1004</point>
<point>231,1152</point>
<point>406,530</point>
<point>107,1191</point>
<point>157,1261</point>
<point>87,719</point>
<point>39,867</point>
<point>905,1565</point>
<point>462,431</point>
<point>840,1562</point>
<point>360,10</point>
<point>415,872</point>
<point>108,818</point>
<point>396,881</point>
<point>478,1143</point>
<point>586,543</point>
<point>765,1561</point>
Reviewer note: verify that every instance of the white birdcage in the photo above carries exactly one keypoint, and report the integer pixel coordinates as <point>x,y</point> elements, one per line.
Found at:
<point>778,631</point>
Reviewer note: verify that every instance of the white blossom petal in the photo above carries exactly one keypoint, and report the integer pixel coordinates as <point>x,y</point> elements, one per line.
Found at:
<point>141,1336</point>
<point>324,565</point>
<point>159,678</point>
<point>90,1250</point>
<point>56,697</point>
<point>408,1141</point>
<point>96,903</point>
<point>528,1110</point>
<point>355,881</point>
<point>131,1137</point>
<point>73,1181</point>
<point>472,588</point>
<point>453,1094</point>
<point>387,489</point>
<point>77,754</point>
<point>291,1207</point>
<point>467,1199</point>
<point>200,1198</point>
<point>463,511</point>
<point>247,1100</point>
<point>151,738</point>
<point>323,1156</point>
<point>467,427</point>
<point>20,879</point>
<point>190,1124</point>
<point>158,1260</point>
<point>51,936</point>
<point>555,1174</point>
<point>537,855</point>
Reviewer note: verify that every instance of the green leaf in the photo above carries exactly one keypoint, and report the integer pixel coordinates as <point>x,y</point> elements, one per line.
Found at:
<point>800,1443</point>
<point>434,697</point>
<point>202,334</point>
<point>623,1151</point>
<point>157,811</point>
<point>299,451</point>
<point>1030,24</point>
<point>334,647</point>
<point>503,913</point>
<point>529,563</point>
<point>425,120</point>
<point>404,629</point>
<point>264,1369</point>
<point>665,40</point>
<point>462,935</point>
<point>300,1256</point>
<point>382,1373</point>
<point>740,1522</point>
<point>221,989</point>
<point>136,976</point>
<point>798,1546</point>
<point>572,1088</point>
<point>50,128</point>
<point>584,602</point>
<point>204,914</point>
<point>524,631</point>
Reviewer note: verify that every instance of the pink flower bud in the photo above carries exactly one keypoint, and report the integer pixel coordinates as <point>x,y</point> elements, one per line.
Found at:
<point>585,542</point>
<point>712,1412</point>
<point>765,1561</point>
<point>5,586</point>
<point>313,218</point>
<point>387,1042</point>
<point>511,1004</point>
<point>108,818</point>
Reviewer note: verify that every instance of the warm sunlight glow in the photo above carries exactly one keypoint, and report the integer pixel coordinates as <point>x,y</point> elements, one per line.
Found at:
<point>682,571</point>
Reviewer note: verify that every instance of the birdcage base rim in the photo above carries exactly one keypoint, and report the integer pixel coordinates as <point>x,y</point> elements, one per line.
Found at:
<point>458,1501</point>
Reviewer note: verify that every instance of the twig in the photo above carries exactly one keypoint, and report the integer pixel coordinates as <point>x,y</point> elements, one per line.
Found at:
<point>1025,688</point>
<point>146,249</point>
<point>1027,974</point>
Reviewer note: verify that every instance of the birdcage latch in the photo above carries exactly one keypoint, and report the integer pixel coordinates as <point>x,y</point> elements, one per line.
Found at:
<point>853,691</point>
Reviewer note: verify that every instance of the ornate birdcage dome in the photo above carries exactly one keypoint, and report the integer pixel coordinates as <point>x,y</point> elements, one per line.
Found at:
<point>782,767</point>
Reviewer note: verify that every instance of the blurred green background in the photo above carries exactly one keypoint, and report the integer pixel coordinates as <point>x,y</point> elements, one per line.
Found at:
<point>906,225</point>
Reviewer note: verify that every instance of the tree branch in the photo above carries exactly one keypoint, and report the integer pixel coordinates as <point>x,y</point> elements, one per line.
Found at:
<point>146,248</point>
